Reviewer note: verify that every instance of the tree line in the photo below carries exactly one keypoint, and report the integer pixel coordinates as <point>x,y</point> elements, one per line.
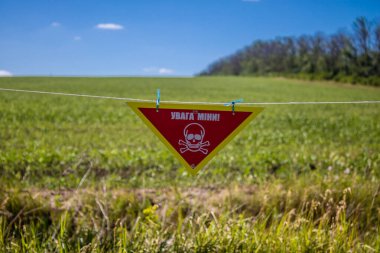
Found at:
<point>347,56</point>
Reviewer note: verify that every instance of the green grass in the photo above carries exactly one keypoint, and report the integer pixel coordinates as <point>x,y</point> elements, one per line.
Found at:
<point>298,178</point>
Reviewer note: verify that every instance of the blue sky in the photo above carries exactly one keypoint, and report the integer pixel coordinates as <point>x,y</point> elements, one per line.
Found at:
<point>153,37</point>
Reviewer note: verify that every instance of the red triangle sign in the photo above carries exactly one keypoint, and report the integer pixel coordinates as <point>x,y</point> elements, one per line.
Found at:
<point>194,133</point>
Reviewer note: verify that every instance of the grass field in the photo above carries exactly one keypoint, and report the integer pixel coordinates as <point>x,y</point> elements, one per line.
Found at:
<point>86,175</point>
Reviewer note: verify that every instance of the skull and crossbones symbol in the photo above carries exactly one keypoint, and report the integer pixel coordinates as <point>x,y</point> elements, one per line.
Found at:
<point>194,134</point>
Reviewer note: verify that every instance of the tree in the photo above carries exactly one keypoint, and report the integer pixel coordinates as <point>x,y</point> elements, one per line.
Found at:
<point>377,48</point>
<point>341,56</point>
<point>362,36</point>
<point>362,33</point>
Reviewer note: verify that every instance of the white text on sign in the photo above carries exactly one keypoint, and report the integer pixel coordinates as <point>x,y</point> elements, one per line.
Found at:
<point>192,116</point>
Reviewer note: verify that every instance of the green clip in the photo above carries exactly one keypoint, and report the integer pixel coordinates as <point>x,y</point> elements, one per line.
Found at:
<point>232,103</point>
<point>158,100</point>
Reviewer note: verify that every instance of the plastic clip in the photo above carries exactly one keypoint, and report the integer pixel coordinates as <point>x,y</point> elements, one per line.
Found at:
<point>232,103</point>
<point>158,100</point>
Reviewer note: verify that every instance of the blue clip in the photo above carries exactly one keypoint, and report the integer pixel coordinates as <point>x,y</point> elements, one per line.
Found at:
<point>158,100</point>
<point>233,102</point>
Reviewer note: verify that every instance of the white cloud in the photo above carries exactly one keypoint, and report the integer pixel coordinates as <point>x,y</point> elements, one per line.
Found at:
<point>165,71</point>
<point>55,24</point>
<point>5,73</point>
<point>109,26</point>
<point>159,71</point>
<point>150,69</point>
<point>77,38</point>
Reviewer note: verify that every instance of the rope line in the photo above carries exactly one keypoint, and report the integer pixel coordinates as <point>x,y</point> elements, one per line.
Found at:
<point>75,95</point>
<point>183,102</point>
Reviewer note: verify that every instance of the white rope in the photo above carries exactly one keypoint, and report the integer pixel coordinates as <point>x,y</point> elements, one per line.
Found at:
<point>314,103</point>
<point>75,95</point>
<point>182,102</point>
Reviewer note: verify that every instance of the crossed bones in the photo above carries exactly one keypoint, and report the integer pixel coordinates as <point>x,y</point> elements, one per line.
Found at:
<point>198,147</point>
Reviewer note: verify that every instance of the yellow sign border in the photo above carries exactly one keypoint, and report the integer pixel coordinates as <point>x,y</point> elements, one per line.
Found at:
<point>238,108</point>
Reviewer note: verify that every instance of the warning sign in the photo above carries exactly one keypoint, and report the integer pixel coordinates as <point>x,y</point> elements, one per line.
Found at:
<point>194,133</point>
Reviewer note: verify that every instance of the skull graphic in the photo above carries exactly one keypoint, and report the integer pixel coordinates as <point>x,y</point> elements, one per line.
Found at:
<point>194,134</point>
